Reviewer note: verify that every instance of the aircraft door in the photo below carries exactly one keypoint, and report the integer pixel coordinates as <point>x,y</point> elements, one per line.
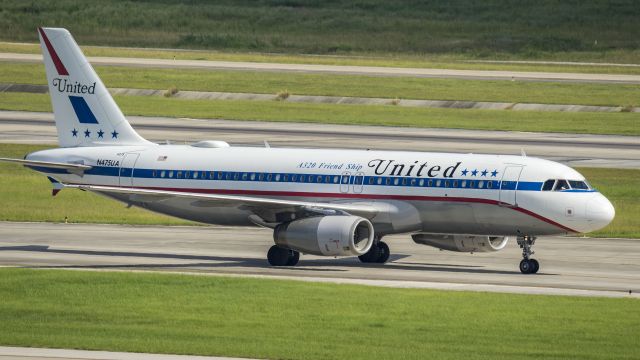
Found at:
<point>127,165</point>
<point>509,185</point>
<point>344,182</point>
<point>358,183</point>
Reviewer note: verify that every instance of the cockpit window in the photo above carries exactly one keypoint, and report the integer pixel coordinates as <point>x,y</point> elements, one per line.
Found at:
<point>579,185</point>
<point>548,185</point>
<point>561,185</point>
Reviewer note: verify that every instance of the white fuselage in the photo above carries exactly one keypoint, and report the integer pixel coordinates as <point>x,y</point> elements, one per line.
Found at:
<point>414,192</point>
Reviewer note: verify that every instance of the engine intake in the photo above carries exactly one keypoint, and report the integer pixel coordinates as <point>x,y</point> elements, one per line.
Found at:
<point>462,243</point>
<point>326,235</point>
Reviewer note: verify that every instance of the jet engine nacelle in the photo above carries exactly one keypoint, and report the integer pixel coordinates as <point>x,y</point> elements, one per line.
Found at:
<point>462,243</point>
<point>326,235</point>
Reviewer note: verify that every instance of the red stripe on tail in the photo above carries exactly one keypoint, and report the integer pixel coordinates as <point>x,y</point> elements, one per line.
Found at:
<point>54,56</point>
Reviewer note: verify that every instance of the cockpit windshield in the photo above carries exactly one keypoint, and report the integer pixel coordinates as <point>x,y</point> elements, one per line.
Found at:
<point>578,185</point>
<point>561,185</point>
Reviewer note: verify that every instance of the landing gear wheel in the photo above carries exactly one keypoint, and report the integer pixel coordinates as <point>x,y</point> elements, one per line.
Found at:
<point>525,266</point>
<point>372,255</point>
<point>384,252</point>
<point>294,256</point>
<point>528,265</point>
<point>379,253</point>
<point>278,256</point>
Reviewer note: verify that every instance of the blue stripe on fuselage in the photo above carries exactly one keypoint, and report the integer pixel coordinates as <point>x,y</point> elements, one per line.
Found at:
<point>331,179</point>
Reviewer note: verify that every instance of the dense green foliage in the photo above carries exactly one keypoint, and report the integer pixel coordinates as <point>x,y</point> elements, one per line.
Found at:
<point>275,319</point>
<point>29,196</point>
<point>477,28</point>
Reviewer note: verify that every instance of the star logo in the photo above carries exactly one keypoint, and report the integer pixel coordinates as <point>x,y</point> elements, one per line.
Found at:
<point>464,172</point>
<point>74,132</point>
<point>101,133</point>
<point>114,135</point>
<point>494,173</point>
<point>484,172</point>
<point>474,172</point>
<point>87,133</point>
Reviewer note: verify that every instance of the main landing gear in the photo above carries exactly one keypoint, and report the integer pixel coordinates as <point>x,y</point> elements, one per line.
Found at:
<point>379,253</point>
<point>278,256</point>
<point>528,265</point>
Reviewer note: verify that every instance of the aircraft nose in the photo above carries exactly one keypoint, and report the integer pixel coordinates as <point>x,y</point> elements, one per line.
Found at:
<point>600,212</point>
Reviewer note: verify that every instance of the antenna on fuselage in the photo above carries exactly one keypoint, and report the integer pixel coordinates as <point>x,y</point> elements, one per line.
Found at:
<point>266,144</point>
<point>524,154</point>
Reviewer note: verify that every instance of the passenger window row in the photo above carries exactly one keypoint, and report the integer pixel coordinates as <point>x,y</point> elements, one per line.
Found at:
<point>324,179</point>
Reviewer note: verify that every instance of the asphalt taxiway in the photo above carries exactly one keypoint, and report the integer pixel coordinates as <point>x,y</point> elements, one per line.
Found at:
<point>346,70</point>
<point>569,265</point>
<point>573,149</point>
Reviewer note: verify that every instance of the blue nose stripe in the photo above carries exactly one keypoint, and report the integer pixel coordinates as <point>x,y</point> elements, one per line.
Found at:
<point>83,112</point>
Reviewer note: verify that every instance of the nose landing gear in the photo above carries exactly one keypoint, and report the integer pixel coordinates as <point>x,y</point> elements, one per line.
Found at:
<point>528,265</point>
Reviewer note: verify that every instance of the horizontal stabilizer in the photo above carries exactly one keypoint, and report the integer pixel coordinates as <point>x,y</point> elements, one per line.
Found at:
<point>77,169</point>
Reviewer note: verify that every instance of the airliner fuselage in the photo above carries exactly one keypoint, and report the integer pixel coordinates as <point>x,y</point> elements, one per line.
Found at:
<point>322,202</point>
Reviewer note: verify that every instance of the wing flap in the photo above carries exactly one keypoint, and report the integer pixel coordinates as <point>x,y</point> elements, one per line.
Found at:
<point>260,204</point>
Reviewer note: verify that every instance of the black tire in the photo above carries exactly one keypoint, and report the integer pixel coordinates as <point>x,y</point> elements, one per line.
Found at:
<point>384,252</point>
<point>294,257</point>
<point>278,256</point>
<point>525,266</point>
<point>372,255</point>
<point>535,266</point>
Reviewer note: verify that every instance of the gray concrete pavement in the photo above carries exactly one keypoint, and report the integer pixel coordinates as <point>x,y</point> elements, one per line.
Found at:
<point>573,149</point>
<point>569,266</point>
<point>342,69</point>
<point>28,353</point>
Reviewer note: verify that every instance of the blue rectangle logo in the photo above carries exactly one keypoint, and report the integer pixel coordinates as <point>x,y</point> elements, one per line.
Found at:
<point>83,112</point>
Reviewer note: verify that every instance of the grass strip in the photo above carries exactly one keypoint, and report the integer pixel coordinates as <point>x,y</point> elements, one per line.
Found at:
<point>386,115</point>
<point>26,196</point>
<point>260,318</point>
<point>347,85</point>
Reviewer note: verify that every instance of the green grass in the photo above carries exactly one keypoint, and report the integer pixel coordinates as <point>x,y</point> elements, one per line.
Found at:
<point>587,123</point>
<point>488,29</point>
<point>29,196</point>
<point>346,85</point>
<point>259,318</point>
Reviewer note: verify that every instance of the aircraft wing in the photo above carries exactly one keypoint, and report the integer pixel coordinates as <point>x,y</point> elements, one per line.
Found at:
<point>72,168</point>
<point>268,211</point>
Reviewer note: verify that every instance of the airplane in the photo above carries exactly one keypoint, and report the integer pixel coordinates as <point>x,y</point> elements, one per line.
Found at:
<point>317,201</point>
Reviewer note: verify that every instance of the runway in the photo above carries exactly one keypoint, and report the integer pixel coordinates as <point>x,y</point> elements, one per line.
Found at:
<point>33,353</point>
<point>569,266</point>
<point>573,149</point>
<point>345,70</point>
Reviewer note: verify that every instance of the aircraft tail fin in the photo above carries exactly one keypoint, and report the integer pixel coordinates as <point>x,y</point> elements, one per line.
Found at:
<point>84,111</point>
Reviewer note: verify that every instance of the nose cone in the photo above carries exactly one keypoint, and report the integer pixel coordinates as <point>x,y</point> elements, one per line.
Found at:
<point>599,212</point>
